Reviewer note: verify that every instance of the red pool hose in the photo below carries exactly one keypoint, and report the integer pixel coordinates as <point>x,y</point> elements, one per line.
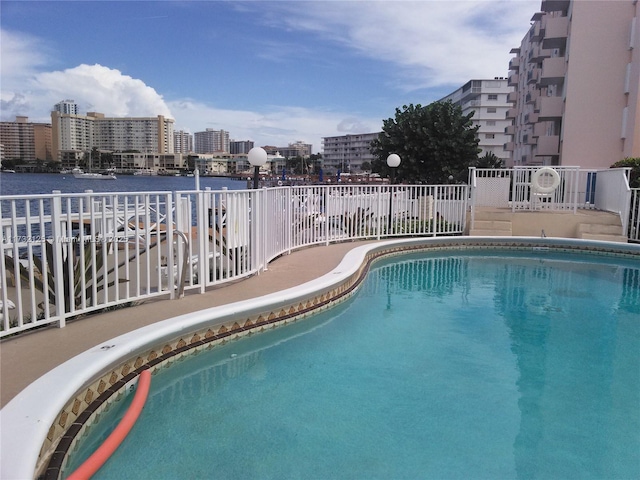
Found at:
<point>102,454</point>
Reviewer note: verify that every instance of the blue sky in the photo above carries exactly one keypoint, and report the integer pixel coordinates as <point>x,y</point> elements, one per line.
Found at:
<point>271,72</point>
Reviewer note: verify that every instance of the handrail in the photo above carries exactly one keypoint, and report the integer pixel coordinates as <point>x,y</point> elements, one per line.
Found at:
<point>185,259</point>
<point>113,441</point>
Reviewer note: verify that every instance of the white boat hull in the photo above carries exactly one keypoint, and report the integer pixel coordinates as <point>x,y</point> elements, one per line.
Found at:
<point>95,176</point>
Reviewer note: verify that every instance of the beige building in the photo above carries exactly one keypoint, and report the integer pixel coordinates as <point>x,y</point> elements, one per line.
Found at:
<point>576,77</point>
<point>25,141</point>
<point>81,133</point>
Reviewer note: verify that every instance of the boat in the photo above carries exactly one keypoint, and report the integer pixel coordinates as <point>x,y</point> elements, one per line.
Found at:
<point>146,172</point>
<point>79,173</point>
<point>7,170</point>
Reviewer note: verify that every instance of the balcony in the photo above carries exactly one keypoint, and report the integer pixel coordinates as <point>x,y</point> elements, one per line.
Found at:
<point>513,80</point>
<point>510,130</point>
<point>533,75</point>
<point>531,118</point>
<point>556,32</point>
<point>531,96</point>
<point>555,5</point>
<point>509,147</point>
<point>549,108</point>
<point>512,97</point>
<point>514,64</point>
<point>540,129</point>
<point>537,54</point>
<point>548,146</point>
<point>553,71</point>
<point>511,113</point>
<point>536,32</point>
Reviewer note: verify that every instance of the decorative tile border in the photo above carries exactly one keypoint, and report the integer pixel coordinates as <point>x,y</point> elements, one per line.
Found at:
<point>85,409</point>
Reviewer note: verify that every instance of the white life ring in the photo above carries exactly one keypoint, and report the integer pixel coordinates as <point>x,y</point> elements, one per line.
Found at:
<point>545,187</point>
<point>279,183</point>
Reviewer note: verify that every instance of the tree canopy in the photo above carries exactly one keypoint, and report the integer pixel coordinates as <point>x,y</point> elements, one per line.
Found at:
<point>634,163</point>
<point>435,143</point>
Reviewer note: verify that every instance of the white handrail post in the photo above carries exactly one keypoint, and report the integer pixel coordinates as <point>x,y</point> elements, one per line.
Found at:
<point>265,235</point>
<point>58,269</point>
<point>326,214</point>
<point>288,211</point>
<point>202,229</point>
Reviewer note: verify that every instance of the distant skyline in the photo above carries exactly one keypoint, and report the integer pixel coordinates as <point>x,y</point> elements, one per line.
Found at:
<point>271,72</point>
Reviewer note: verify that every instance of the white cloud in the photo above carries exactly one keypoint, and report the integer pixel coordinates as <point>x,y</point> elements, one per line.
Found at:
<point>430,43</point>
<point>101,89</point>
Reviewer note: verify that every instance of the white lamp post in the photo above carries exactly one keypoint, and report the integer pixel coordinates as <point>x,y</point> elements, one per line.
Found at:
<point>393,162</point>
<point>257,158</point>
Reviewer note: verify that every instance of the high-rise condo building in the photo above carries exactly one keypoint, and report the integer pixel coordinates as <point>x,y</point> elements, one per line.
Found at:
<point>576,77</point>
<point>24,141</point>
<point>487,99</point>
<point>66,106</point>
<point>182,142</point>
<point>81,133</point>
<point>243,146</point>
<point>348,153</point>
<point>211,141</point>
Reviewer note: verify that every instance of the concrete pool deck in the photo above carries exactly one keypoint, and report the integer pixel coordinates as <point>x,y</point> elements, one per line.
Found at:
<point>27,357</point>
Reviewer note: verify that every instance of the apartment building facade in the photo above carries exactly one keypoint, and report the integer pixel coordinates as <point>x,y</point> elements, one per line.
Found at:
<point>25,141</point>
<point>182,142</point>
<point>576,78</point>
<point>488,100</point>
<point>211,141</point>
<point>240,146</point>
<point>296,149</point>
<point>73,134</point>
<point>348,153</point>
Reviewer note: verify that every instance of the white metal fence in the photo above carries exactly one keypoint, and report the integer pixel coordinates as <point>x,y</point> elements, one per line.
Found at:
<point>569,189</point>
<point>634,216</point>
<point>69,254</point>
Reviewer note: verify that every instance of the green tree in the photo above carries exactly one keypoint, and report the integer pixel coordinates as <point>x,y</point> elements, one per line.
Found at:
<point>315,162</point>
<point>634,163</point>
<point>365,167</point>
<point>434,143</point>
<point>488,160</point>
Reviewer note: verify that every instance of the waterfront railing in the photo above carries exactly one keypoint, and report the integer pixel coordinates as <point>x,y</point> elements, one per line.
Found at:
<point>67,255</point>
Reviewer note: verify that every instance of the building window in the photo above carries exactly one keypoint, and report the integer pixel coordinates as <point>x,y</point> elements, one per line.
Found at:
<point>489,135</point>
<point>491,110</point>
<point>491,123</point>
<point>493,96</point>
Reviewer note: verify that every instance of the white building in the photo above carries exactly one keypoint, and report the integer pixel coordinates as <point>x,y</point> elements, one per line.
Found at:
<point>66,106</point>
<point>182,142</point>
<point>488,100</point>
<point>347,153</point>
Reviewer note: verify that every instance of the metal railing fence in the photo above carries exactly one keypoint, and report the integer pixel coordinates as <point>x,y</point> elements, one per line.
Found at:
<point>634,216</point>
<point>66,255</point>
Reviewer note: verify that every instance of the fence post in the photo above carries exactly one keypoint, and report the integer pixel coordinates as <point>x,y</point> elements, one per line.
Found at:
<point>202,229</point>
<point>265,231</point>
<point>58,268</point>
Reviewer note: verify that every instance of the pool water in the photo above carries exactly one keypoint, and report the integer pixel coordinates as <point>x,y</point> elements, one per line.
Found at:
<point>474,365</point>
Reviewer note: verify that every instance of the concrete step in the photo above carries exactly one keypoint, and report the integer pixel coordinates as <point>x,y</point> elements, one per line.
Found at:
<point>499,215</point>
<point>602,237</point>
<point>501,225</point>
<point>491,228</point>
<point>599,229</point>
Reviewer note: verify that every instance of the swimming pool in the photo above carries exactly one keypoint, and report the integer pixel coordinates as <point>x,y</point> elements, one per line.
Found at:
<point>484,364</point>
